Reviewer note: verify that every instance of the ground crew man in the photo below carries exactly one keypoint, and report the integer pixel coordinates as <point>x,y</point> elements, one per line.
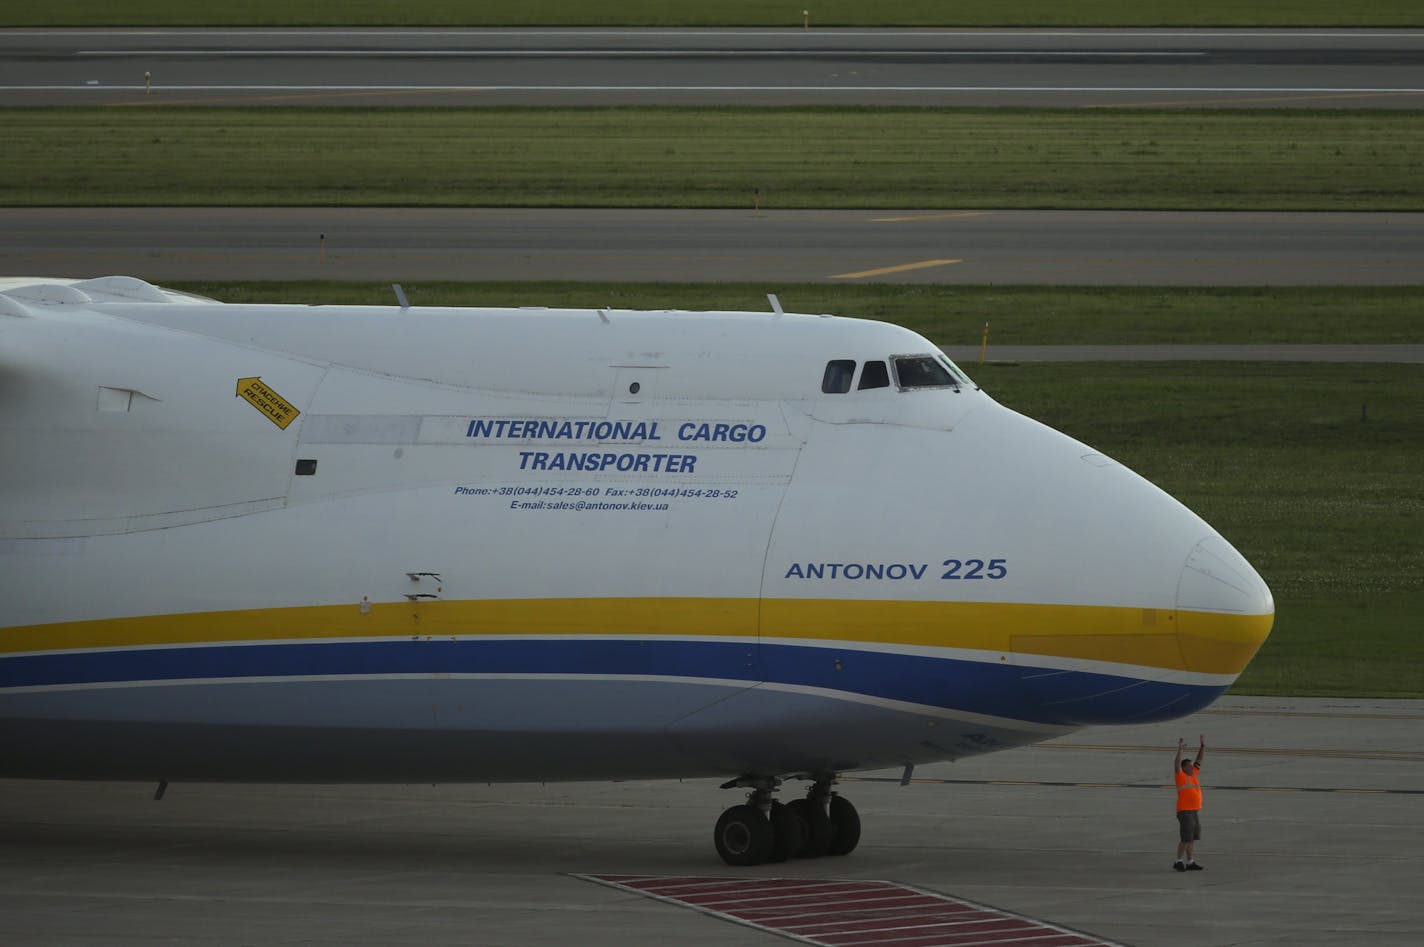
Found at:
<point>1189,803</point>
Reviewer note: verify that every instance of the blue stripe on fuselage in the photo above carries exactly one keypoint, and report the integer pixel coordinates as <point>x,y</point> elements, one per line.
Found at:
<point>1012,692</point>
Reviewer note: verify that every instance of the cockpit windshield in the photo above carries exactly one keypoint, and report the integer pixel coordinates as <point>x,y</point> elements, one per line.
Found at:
<point>955,370</point>
<point>911,372</point>
<point>923,371</point>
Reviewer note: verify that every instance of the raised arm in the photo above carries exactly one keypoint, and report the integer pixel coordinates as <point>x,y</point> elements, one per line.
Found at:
<point>1200,751</point>
<point>1177,763</point>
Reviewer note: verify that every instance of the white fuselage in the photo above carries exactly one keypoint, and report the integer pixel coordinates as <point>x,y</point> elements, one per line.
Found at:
<point>285,542</point>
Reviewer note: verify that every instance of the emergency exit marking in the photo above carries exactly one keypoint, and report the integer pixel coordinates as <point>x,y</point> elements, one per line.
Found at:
<point>273,406</point>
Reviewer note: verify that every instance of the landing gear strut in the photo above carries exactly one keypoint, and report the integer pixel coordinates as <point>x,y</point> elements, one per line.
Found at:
<point>763,830</point>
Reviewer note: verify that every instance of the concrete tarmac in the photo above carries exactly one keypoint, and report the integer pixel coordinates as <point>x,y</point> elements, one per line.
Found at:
<point>1311,837</point>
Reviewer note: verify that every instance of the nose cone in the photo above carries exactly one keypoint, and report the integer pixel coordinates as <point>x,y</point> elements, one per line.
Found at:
<point>1166,613</point>
<point>1224,609</point>
<point>1169,663</point>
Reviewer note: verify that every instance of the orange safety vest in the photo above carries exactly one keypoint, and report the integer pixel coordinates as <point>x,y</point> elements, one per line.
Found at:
<point>1188,791</point>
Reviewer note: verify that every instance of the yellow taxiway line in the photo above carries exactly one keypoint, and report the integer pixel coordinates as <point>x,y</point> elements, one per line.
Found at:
<point>947,216</point>
<point>902,268</point>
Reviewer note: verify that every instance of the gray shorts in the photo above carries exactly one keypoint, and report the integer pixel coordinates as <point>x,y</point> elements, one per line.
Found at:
<point>1189,822</point>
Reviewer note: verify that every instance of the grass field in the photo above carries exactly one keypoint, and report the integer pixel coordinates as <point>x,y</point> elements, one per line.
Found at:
<point>715,157</point>
<point>718,12</point>
<point>955,315</point>
<point>1329,507</point>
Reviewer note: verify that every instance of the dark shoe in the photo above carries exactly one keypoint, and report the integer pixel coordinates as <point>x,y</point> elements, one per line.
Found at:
<point>1194,867</point>
<point>1178,866</point>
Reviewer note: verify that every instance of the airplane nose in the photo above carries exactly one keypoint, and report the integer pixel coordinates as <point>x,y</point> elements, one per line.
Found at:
<point>1181,660</point>
<point>1224,609</point>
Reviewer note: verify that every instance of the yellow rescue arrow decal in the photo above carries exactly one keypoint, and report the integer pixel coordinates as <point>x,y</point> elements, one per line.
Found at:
<point>273,406</point>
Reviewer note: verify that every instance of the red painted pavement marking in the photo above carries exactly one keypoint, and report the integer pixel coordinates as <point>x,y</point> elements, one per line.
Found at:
<point>848,921</point>
<point>852,913</point>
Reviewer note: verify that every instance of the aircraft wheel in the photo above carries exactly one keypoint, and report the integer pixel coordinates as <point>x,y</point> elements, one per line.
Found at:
<point>818,827</point>
<point>845,827</point>
<point>743,836</point>
<point>790,832</point>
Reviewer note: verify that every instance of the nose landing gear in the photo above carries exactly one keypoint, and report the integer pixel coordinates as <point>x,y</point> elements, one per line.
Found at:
<point>764,830</point>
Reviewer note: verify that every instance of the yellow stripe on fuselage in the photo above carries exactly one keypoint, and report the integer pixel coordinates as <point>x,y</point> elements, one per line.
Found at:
<point>1216,643</point>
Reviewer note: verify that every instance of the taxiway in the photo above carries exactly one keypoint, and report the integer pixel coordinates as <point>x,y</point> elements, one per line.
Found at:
<point>1311,838</point>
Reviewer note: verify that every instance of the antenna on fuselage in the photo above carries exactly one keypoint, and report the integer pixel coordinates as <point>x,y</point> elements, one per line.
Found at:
<point>400,296</point>
<point>775,304</point>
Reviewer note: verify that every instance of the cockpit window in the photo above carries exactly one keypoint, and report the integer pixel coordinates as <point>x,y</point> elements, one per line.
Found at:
<point>874,375</point>
<point>839,372</point>
<point>957,372</point>
<point>923,371</point>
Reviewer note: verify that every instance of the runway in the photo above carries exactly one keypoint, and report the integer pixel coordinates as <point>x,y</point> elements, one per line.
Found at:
<point>1311,831</point>
<point>1051,68</point>
<point>770,247</point>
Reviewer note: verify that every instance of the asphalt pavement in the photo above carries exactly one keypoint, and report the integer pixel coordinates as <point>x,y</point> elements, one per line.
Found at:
<point>770,246</point>
<point>1311,839</point>
<point>1214,68</point>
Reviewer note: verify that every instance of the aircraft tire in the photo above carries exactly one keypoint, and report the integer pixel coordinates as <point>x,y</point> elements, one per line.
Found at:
<point>743,836</point>
<point>790,832</point>
<point>845,827</point>
<point>818,827</point>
